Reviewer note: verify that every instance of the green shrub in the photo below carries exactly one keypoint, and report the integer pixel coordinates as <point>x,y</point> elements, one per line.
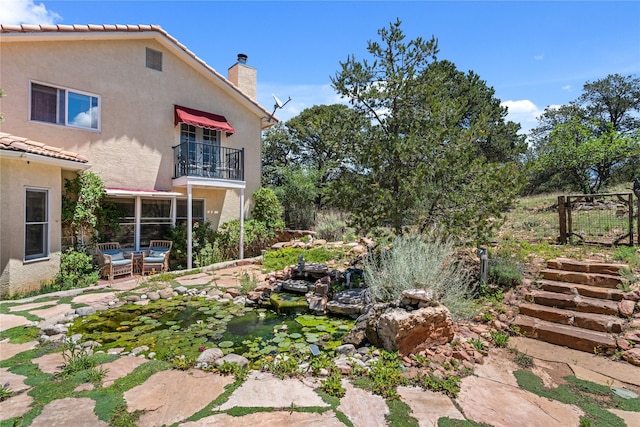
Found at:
<point>201,234</point>
<point>504,273</point>
<point>330,225</point>
<point>420,262</point>
<point>257,236</point>
<point>281,258</point>
<point>268,209</point>
<point>76,270</point>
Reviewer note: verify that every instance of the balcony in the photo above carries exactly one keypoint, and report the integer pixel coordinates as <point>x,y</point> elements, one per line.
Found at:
<point>194,159</point>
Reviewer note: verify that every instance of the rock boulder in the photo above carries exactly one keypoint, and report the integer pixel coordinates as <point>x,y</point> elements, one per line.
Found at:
<point>411,331</point>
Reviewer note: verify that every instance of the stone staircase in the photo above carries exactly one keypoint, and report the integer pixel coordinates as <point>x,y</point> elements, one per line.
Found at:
<point>576,304</point>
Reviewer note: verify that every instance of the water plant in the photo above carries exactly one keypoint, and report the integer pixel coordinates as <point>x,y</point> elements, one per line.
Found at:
<point>181,326</point>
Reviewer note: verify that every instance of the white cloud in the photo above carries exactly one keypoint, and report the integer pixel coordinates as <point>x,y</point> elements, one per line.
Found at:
<point>26,12</point>
<point>523,111</point>
<point>538,57</point>
<point>86,119</point>
<point>566,87</point>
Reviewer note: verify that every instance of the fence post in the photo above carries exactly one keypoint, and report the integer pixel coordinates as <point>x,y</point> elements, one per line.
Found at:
<point>562,220</point>
<point>631,220</point>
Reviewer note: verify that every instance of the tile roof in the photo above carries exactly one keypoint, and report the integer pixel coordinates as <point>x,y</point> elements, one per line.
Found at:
<point>15,143</point>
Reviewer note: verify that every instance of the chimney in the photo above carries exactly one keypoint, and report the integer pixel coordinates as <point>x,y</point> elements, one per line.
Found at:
<point>243,76</point>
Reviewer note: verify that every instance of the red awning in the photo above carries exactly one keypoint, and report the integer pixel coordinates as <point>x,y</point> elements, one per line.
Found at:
<point>203,119</point>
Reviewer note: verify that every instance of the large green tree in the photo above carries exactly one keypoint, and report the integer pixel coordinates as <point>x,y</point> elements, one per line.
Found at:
<point>438,153</point>
<point>581,146</point>
<point>302,156</point>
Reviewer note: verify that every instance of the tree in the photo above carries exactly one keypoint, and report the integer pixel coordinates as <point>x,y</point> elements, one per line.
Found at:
<point>81,204</point>
<point>437,146</point>
<point>613,101</point>
<point>317,140</point>
<point>583,145</point>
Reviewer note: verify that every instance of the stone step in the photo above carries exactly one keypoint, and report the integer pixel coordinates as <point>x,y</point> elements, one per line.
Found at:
<point>592,279</point>
<point>569,336</point>
<point>573,302</point>
<point>586,266</point>
<point>578,289</point>
<point>592,321</point>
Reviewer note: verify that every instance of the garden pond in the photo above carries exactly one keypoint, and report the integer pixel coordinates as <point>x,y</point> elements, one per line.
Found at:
<point>187,325</point>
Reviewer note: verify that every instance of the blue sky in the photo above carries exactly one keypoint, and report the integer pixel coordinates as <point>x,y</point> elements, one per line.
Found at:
<point>534,54</point>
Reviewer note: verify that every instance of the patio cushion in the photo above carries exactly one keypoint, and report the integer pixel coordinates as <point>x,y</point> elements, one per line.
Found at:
<point>154,259</point>
<point>118,256</point>
<point>121,262</point>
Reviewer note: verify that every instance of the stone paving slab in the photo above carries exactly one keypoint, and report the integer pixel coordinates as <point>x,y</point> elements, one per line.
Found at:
<point>501,405</point>
<point>8,321</point>
<point>263,389</point>
<point>69,412</point>
<point>498,367</point>
<point>102,298</point>
<point>270,419</point>
<point>50,363</point>
<point>15,381</point>
<point>595,377</point>
<point>362,407</point>
<point>31,306</point>
<point>8,350</point>
<point>54,311</point>
<point>621,371</point>
<point>171,396</point>
<point>428,406</point>
<point>631,419</point>
<point>15,406</point>
<point>119,368</point>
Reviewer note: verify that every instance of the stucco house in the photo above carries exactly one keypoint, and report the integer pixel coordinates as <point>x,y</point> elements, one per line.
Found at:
<point>172,139</point>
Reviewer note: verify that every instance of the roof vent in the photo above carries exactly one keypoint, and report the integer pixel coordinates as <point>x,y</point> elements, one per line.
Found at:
<point>242,58</point>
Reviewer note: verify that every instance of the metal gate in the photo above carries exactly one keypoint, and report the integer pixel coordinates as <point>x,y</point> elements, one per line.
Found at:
<point>606,219</point>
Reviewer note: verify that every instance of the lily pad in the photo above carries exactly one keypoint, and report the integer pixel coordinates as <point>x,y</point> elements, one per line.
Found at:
<point>225,344</point>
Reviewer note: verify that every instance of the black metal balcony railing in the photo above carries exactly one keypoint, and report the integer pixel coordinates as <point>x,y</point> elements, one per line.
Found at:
<point>208,161</point>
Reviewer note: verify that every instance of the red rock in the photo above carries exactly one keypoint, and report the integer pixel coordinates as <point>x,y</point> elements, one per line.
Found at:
<point>623,344</point>
<point>632,356</point>
<point>626,307</point>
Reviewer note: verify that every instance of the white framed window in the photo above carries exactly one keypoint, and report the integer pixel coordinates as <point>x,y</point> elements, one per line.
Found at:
<point>66,107</point>
<point>197,210</point>
<point>36,224</point>
<point>200,149</point>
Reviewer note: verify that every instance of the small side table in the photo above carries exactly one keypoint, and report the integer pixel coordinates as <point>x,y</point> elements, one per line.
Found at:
<point>137,261</point>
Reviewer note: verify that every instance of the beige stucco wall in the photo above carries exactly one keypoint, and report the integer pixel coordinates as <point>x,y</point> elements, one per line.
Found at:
<point>16,275</point>
<point>133,147</point>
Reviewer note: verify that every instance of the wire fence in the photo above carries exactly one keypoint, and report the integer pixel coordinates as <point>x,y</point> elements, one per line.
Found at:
<point>607,219</point>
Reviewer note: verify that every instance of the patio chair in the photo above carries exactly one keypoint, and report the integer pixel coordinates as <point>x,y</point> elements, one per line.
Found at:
<point>113,261</point>
<point>156,258</point>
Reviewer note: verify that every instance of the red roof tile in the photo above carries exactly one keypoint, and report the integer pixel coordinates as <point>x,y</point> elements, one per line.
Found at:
<point>16,143</point>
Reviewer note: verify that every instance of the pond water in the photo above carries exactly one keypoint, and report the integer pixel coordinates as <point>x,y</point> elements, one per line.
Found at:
<point>186,325</point>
